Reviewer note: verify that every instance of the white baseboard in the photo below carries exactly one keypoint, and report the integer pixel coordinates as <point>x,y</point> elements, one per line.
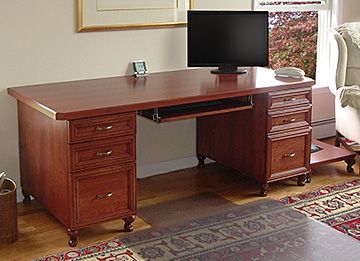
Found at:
<point>323,129</point>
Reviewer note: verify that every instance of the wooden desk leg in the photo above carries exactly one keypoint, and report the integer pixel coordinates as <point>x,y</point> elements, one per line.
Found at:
<point>128,227</point>
<point>263,189</point>
<point>302,180</point>
<point>308,177</point>
<point>73,237</point>
<point>74,233</point>
<point>27,199</point>
<point>201,159</point>
<point>350,162</point>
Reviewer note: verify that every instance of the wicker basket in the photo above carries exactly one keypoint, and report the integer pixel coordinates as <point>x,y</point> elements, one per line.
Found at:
<point>8,213</point>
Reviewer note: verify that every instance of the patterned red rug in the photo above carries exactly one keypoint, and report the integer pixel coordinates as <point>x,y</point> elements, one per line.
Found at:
<point>337,206</point>
<point>263,230</point>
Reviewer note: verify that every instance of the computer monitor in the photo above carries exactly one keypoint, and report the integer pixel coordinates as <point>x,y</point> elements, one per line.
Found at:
<point>228,40</point>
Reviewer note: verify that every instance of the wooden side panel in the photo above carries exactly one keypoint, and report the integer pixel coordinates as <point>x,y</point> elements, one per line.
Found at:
<point>237,139</point>
<point>44,160</point>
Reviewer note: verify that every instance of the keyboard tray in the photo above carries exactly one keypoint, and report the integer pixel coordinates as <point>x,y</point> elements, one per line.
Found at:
<point>193,110</point>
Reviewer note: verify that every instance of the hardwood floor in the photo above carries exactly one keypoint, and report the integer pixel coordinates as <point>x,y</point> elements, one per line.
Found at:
<point>41,234</point>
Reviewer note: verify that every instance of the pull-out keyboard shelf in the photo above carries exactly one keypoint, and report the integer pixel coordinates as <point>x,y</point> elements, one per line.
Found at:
<point>193,110</point>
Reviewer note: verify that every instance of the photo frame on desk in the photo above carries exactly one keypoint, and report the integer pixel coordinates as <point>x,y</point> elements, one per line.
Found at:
<point>105,15</point>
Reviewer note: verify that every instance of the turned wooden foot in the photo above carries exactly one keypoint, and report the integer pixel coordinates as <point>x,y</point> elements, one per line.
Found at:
<point>72,234</point>
<point>201,159</point>
<point>350,162</point>
<point>263,189</point>
<point>128,227</point>
<point>27,199</point>
<point>302,180</point>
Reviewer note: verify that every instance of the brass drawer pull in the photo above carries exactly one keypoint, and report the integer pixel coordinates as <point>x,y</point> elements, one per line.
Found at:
<point>290,120</point>
<point>290,99</point>
<point>108,195</point>
<point>104,128</point>
<point>289,155</point>
<point>104,153</point>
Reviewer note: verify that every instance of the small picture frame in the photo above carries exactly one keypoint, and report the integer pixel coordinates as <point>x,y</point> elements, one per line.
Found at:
<point>140,68</point>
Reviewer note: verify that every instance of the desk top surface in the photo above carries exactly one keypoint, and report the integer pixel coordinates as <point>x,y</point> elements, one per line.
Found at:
<point>96,97</point>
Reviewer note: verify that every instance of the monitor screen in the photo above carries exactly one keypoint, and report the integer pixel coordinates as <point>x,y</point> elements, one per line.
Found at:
<point>228,39</point>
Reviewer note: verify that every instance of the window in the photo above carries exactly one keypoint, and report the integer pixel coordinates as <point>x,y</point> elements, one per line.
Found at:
<point>299,34</point>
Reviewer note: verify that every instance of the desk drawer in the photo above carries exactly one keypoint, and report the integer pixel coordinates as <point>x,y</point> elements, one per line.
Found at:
<point>288,154</point>
<point>102,153</point>
<point>104,194</point>
<point>102,127</point>
<point>289,98</point>
<point>280,120</point>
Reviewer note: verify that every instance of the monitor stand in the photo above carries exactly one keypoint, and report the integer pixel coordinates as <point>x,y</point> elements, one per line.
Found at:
<point>228,70</point>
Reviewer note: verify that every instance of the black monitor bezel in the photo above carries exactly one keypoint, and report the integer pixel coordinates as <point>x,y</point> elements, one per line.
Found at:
<point>227,66</point>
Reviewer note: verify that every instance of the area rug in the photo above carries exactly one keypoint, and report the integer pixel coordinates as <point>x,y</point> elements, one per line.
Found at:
<point>263,230</point>
<point>337,206</point>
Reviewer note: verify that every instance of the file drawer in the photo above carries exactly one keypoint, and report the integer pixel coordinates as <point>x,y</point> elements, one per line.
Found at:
<point>104,194</point>
<point>102,153</point>
<point>287,155</point>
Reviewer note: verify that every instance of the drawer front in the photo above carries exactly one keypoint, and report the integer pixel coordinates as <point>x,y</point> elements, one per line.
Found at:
<point>102,153</point>
<point>289,155</point>
<point>289,98</point>
<point>287,119</point>
<point>102,127</point>
<point>103,195</point>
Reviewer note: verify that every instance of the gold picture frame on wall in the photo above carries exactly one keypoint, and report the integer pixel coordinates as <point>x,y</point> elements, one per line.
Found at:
<point>104,15</point>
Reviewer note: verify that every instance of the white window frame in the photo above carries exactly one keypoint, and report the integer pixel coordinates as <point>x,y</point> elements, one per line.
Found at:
<point>328,13</point>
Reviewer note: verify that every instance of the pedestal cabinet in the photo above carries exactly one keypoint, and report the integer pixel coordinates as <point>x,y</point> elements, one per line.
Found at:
<point>288,135</point>
<point>83,171</point>
<point>271,141</point>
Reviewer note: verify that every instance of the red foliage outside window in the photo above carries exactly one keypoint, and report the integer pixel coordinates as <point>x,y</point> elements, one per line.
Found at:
<point>293,40</point>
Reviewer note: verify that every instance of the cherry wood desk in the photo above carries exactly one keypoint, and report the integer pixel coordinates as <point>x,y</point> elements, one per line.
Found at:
<point>77,139</point>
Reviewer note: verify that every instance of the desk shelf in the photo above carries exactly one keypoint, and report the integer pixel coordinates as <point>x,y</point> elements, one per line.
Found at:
<point>192,110</point>
<point>330,154</point>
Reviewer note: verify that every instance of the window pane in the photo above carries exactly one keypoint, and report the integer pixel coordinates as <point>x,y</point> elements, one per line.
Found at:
<point>293,40</point>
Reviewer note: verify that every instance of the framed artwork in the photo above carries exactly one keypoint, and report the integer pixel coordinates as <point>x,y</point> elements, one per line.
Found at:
<point>102,15</point>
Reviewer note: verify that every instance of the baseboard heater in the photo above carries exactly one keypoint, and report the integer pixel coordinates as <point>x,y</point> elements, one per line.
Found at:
<point>323,128</point>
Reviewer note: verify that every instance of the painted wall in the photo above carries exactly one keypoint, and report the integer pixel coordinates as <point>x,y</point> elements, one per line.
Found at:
<point>350,11</point>
<point>223,5</point>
